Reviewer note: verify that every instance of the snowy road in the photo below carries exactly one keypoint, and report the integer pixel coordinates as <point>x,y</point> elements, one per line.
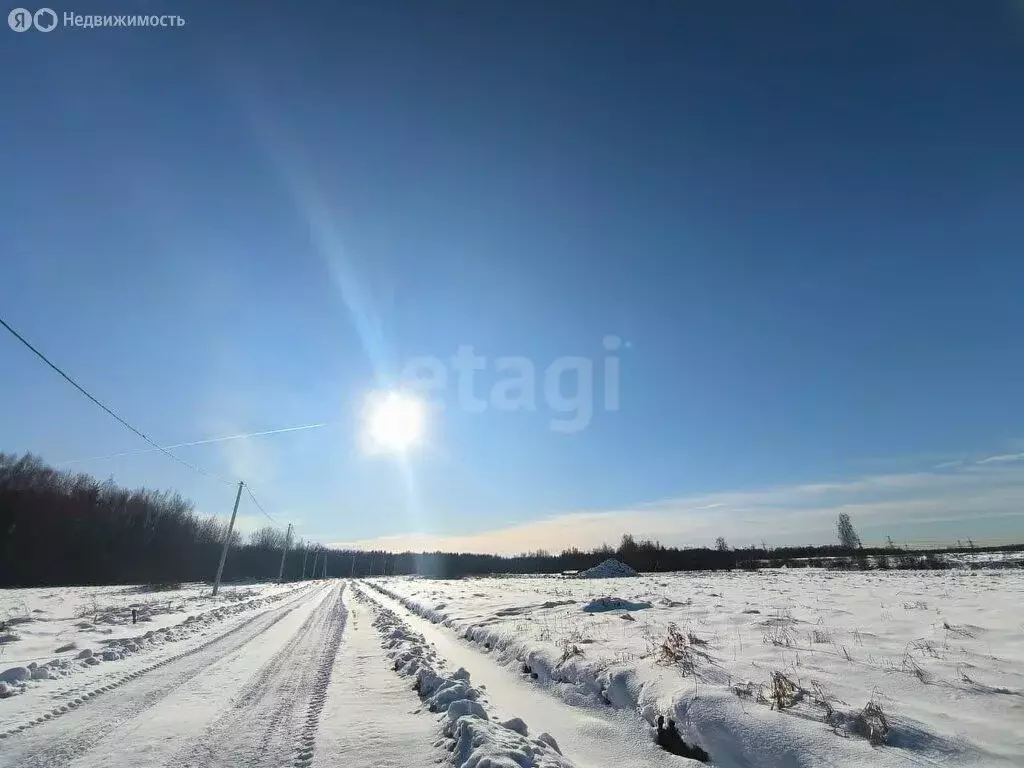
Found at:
<point>251,696</point>
<point>372,716</point>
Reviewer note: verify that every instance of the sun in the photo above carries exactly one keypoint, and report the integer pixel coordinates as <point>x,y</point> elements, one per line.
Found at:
<point>395,421</point>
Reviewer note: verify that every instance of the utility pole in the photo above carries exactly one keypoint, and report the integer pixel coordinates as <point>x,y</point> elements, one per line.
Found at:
<point>371,565</point>
<point>325,565</point>
<point>284,551</point>
<point>316,554</point>
<point>353,573</point>
<point>227,540</point>
<point>305,554</point>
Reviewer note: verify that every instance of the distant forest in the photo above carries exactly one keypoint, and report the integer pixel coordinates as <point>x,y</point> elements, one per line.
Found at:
<point>59,528</point>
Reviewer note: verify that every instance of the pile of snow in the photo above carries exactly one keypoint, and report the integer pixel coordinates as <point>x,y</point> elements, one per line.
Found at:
<point>16,675</point>
<point>602,604</point>
<point>609,569</point>
<point>473,739</point>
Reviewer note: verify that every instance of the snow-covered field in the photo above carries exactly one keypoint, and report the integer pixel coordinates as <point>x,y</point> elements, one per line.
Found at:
<point>777,668</point>
<point>803,667</point>
<point>987,559</point>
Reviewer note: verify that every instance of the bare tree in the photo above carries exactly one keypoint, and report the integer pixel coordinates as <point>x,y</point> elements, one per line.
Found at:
<point>848,538</point>
<point>721,545</point>
<point>267,538</point>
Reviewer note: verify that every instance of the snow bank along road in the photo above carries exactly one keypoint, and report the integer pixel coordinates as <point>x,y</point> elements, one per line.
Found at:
<point>250,696</point>
<point>587,737</point>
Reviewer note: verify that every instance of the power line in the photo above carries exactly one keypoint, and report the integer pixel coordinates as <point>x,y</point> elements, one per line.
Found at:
<point>260,506</point>
<point>191,443</point>
<point>141,434</point>
<point>109,412</point>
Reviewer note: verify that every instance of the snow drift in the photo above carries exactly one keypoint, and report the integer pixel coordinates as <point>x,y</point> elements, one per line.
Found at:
<point>472,738</point>
<point>609,569</point>
<point>601,604</point>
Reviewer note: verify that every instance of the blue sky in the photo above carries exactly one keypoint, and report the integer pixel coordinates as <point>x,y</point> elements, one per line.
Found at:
<point>803,225</point>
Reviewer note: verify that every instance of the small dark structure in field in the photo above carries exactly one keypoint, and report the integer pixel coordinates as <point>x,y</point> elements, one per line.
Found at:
<point>670,740</point>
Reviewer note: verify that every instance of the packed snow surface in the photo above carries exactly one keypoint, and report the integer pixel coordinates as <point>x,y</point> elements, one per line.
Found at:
<point>61,632</point>
<point>371,716</point>
<point>609,569</point>
<point>247,691</point>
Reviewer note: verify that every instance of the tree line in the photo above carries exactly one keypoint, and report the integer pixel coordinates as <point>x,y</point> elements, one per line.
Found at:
<point>58,527</point>
<point>652,557</point>
<point>61,527</point>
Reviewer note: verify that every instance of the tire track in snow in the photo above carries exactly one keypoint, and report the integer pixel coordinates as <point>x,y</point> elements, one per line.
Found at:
<point>371,716</point>
<point>51,744</point>
<point>72,689</point>
<point>307,739</point>
<point>79,695</point>
<point>274,719</point>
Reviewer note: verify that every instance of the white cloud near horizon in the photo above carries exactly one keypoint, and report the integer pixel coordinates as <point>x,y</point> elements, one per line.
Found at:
<point>991,487</point>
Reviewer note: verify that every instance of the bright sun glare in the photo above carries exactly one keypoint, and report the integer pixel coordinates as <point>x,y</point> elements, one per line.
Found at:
<point>395,421</point>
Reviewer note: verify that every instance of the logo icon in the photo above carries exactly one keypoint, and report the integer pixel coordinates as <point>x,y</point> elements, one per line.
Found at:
<point>45,19</point>
<point>20,20</point>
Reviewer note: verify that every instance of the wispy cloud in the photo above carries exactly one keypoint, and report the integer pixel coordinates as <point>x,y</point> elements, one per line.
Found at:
<point>1004,457</point>
<point>250,459</point>
<point>803,513</point>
